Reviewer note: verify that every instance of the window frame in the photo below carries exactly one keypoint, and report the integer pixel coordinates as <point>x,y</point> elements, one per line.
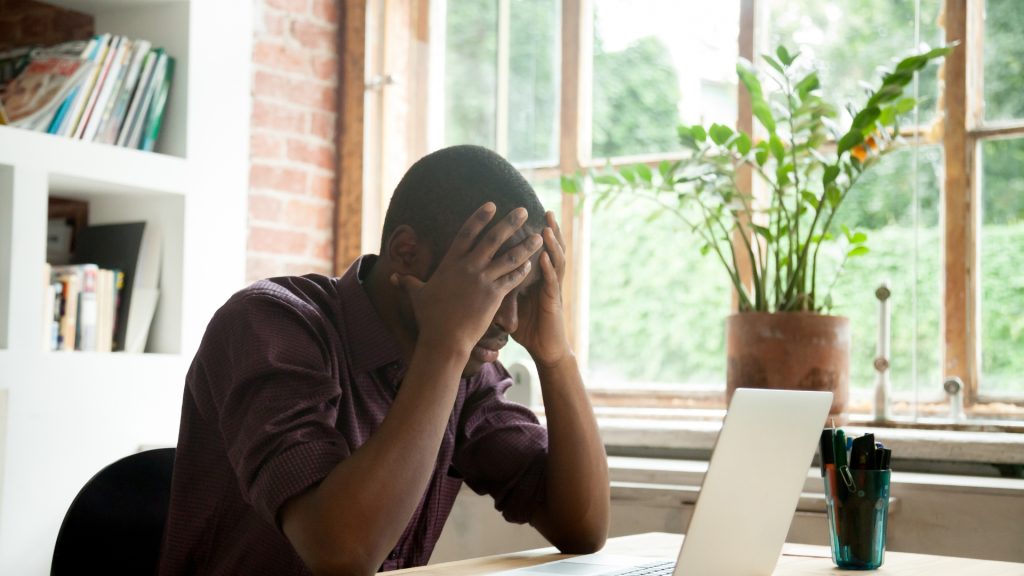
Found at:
<point>962,119</point>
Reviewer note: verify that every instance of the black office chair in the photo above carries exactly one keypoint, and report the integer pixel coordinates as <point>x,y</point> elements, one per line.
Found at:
<point>115,524</point>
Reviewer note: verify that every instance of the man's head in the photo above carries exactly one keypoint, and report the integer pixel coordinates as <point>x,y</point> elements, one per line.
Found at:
<point>432,202</point>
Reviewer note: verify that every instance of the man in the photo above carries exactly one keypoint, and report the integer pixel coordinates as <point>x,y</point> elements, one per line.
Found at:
<point>328,423</point>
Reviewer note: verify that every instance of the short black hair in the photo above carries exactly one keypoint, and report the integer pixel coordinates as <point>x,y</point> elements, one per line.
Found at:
<point>444,188</point>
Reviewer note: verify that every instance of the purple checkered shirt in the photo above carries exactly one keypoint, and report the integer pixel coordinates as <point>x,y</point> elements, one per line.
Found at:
<point>293,375</point>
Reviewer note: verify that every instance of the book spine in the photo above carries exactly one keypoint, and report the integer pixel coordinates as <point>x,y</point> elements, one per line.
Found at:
<point>69,311</point>
<point>110,85</point>
<point>154,84</point>
<point>71,121</point>
<point>156,111</point>
<point>111,130</point>
<point>149,63</point>
<point>90,105</point>
<point>124,63</point>
<point>88,312</point>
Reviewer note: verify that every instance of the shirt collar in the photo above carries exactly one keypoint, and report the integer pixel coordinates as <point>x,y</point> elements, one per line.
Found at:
<point>371,344</point>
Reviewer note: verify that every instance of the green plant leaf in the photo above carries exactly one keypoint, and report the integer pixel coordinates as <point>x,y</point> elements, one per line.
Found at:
<point>644,172</point>
<point>742,143</point>
<point>765,232</point>
<point>849,140</point>
<point>699,134</point>
<point>686,138</point>
<point>784,56</point>
<point>720,134</point>
<point>778,150</point>
<point>764,115</point>
<point>704,249</point>
<point>859,238</point>
<point>830,175</point>
<point>810,198</point>
<point>608,180</point>
<point>858,251</point>
<point>865,119</point>
<point>888,116</point>
<point>807,85</point>
<point>761,156</point>
<point>628,174</point>
<point>834,195</point>
<point>904,105</point>
<point>569,184</point>
<point>846,231</point>
<point>773,63</point>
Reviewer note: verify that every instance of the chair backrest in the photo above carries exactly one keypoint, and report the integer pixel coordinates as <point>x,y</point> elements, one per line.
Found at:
<point>115,524</point>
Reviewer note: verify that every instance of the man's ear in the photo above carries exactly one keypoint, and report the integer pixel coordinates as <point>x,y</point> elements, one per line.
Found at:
<point>408,253</point>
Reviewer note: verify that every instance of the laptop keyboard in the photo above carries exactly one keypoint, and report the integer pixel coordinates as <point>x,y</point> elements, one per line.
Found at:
<point>658,569</point>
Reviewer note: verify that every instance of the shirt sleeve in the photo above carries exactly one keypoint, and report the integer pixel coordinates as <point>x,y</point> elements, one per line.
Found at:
<point>501,448</point>
<point>272,379</point>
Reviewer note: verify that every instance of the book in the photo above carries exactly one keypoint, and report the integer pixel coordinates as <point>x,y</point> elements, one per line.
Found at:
<point>155,115</point>
<point>145,77</point>
<point>97,89</point>
<point>74,112</point>
<point>110,129</point>
<point>32,98</point>
<point>68,311</point>
<point>134,249</point>
<point>138,123</point>
<point>112,82</point>
<point>65,106</point>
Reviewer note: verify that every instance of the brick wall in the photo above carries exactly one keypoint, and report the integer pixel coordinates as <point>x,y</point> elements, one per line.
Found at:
<point>24,23</point>
<point>294,124</point>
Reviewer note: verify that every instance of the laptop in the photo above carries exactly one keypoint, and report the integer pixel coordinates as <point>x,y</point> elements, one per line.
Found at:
<point>748,496</point>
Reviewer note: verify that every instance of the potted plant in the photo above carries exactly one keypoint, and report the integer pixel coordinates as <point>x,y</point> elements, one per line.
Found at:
<point>807,160</point>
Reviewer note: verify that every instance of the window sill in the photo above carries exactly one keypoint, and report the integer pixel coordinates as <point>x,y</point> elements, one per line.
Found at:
<point>642,432</point>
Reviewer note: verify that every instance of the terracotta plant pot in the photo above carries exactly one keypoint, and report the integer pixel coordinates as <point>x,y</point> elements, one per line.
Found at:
<point>790,350</point>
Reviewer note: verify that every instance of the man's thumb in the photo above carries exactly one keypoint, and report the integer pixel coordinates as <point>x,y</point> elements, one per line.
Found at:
<point>406,282</point>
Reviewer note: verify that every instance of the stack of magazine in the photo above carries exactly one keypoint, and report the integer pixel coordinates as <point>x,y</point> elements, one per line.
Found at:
<point>110,89</point>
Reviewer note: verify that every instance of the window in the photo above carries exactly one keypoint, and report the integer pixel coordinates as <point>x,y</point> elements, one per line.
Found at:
<point>578,84</point>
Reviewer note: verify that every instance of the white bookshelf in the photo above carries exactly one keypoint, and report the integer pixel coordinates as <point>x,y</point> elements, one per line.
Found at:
<point>65,415</point>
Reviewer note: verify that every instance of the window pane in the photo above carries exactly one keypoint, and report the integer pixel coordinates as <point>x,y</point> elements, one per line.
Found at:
<point>657,307</point>
<point>671,61</point>
<point>848,41</point>
<point>534,77</point>
<point>1004,60</point>
<point>1002,284</point>
<point>471,72</point>
<point>908,257</point>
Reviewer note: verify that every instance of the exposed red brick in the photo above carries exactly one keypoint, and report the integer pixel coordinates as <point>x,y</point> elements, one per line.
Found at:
<point>38,26</point>
<point>322,187</point>
<point>266,146</point>
<point>298,92</point>
<point>326,10</point>
<point>315,36</point>
<point>304,214</point>
<point>277,241</point>
<point>326,67</point>
<point>290,6</point>
<point>275,116</point>
<point>280,57</point>
<point>277,178</point>
<point>275,24</point>
<point>259,267</point>
<point>324,125</point>
<point>318,155</point>
<point>323,249</point>
<point>265,208</point>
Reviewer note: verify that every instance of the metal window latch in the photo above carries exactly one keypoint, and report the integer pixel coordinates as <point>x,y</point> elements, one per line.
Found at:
<point>882,353</point>
<point>379,81</point>
<point>954,387</point>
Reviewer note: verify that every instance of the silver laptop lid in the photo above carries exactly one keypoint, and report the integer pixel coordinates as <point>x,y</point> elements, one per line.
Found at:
<point>753,483</point>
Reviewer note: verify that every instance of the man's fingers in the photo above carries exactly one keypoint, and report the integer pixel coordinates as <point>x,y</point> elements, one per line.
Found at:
<point>467,235</point>
<point>515,256</point>
<point>509,281</point>
<point>552,281</point>
<point>555,251</point>
<point>502,231</point>
<point>406,282</point>
<point>553,224</point>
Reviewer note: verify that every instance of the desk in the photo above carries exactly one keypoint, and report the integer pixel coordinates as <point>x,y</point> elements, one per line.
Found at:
<point>796,560</point>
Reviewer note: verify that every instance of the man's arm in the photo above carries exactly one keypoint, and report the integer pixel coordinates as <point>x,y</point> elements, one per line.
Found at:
<point>574,516</point>
<point>575,513</point>
<point>352,519</point>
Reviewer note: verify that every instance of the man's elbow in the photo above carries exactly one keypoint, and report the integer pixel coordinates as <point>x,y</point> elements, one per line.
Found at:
<point>582,541</point>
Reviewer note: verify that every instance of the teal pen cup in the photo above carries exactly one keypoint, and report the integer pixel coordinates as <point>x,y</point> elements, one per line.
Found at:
<point>857,516</point>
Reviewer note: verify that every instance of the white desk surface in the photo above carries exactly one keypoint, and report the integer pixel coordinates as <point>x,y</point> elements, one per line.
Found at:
<point>796,560</point>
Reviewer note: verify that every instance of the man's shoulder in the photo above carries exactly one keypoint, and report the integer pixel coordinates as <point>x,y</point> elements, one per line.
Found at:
<point>313,290</point>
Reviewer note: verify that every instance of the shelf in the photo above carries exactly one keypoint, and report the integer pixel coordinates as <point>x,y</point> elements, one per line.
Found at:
<point>76,167</point>
<point>91,6</point>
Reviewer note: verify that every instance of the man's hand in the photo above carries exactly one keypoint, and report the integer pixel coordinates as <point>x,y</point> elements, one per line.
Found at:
<point>459,300</point>
<point>541,323</point>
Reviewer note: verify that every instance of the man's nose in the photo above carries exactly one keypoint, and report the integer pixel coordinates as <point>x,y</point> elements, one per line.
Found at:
<point>507,317</point>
